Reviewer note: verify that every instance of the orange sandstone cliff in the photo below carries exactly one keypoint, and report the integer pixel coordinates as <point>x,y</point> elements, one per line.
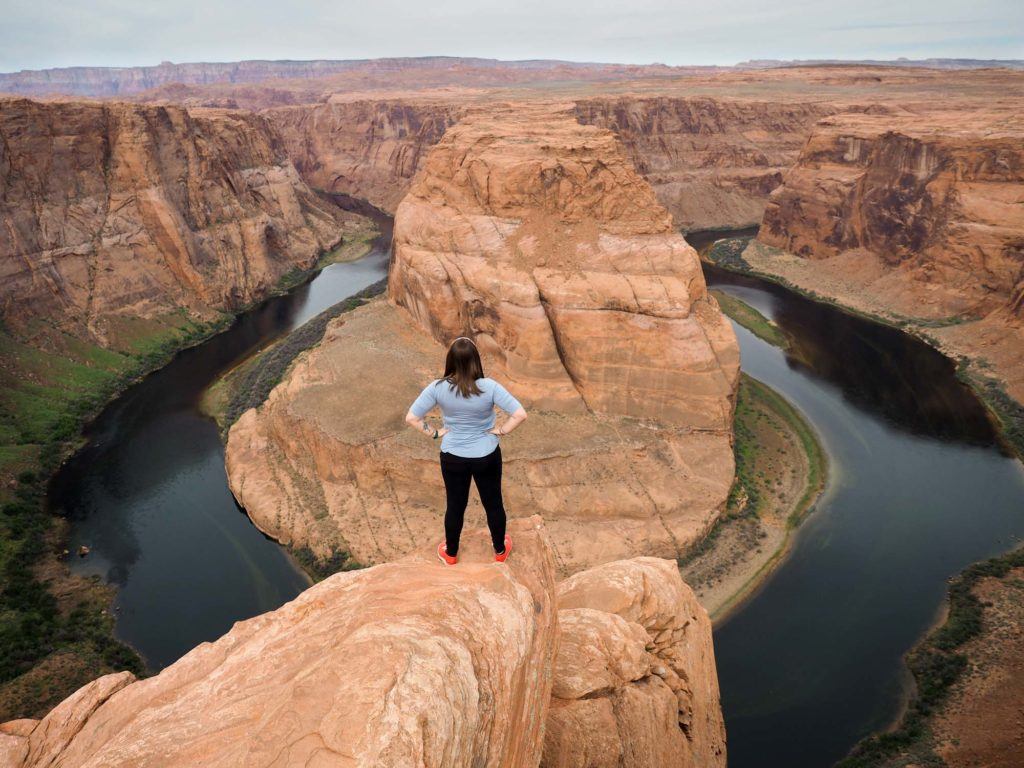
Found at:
<point>368,149</point>
<point>535,235</point>
<point>917,218</point>
<point>415,663</point>
<point>627,689</point>
<point>110,211</point>
<point>711,161</point>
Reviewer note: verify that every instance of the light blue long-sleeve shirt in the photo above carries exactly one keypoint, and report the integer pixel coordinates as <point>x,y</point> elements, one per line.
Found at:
<point>468,419</point>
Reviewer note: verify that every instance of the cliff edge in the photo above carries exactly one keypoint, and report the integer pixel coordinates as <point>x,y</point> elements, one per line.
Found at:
<point>415,663</point>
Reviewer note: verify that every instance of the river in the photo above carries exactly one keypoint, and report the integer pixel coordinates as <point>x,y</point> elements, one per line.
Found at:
<point>149,496</point>
<point>919,489</point>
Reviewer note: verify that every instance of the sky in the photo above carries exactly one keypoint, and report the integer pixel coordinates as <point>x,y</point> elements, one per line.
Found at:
<point>42,33</point>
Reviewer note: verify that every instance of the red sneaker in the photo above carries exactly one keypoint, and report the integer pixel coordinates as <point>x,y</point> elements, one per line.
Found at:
<point>503,556</point>
<point>444,557</point>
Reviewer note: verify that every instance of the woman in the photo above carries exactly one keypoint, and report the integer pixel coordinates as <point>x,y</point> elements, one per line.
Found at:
<point>469,442</point>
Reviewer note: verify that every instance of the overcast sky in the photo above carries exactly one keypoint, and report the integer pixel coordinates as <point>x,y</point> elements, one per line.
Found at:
<point>45,33</point>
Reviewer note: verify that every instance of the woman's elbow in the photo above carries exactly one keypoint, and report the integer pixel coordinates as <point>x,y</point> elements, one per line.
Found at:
<point>520,414</point>
<point>411,419</point>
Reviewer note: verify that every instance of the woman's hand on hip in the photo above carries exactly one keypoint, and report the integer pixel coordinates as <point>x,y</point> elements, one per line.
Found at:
<point>442,432</point>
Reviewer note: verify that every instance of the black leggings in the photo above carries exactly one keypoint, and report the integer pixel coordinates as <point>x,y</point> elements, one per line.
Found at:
<point>486,471</point>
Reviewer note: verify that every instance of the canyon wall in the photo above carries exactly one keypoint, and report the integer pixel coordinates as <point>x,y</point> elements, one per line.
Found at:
<point>918,218</point>
<point>627,690</point>
<point>711,161</point>
<point>367,149</point>
<point>416,663</point>
<point>533,234</point>
<point>110,211</point>
<point>928,197</point>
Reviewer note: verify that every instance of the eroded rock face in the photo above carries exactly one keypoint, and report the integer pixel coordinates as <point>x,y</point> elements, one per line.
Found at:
<point>635,682</point>
<point>124,210</point>
<point>531,233</point>
<point>712,162</point>
<point>534,234</point>
<point>941,203</point>
<point>919,218</point>
<point>367,149</point>
<point>411,663</point>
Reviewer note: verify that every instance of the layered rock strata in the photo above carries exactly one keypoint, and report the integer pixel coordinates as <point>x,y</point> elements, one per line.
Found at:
<point>712,162</point>
<point>917,218</point>
<point>408,663</point>
<point>118,210</point>
<point>367,149</point>
<point>626,692</point>
<point>536,235</point>
<point>533,234</point>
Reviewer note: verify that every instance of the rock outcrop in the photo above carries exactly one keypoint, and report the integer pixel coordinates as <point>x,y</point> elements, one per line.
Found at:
<point>117,210</point>
<point>533,234</point>
<point>409,663</point>
<point>711,161</point>
<point>366,149</point>
<point>919,218</point>
<point>627,693</point>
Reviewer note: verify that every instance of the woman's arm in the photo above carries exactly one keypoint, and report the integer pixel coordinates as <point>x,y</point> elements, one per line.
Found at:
<point>420,424</point>
<point>513,421</point>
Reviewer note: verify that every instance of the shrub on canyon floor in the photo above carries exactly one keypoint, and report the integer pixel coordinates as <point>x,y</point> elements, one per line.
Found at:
<point>319,568</point>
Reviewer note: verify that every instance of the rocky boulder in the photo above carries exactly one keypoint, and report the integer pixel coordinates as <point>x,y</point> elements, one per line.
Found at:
<point>628,689</point>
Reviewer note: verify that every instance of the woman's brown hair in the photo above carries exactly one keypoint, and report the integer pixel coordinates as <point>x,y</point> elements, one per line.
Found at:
<point>462,367</point>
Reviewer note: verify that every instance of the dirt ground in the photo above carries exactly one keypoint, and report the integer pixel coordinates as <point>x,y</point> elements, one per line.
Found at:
<point>982,722</point>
